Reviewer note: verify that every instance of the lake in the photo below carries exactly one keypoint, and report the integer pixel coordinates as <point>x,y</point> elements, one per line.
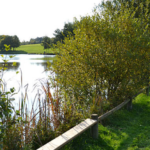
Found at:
<point>32,67</point>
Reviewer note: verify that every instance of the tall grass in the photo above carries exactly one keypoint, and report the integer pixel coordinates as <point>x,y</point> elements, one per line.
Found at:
<point>48,117</point>
<point>52,113</point>
<point>30,127</point>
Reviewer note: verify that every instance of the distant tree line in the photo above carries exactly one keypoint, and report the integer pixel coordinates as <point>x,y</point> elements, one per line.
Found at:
<point>47,42</point>
<point>59,35</point>
<point>37,40</point>
<point>13,41</point>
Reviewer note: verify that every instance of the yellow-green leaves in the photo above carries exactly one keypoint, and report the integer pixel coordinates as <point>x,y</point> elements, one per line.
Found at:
<point>5,61</point>
<point>106,54</point>
<point>7,47</point>
<point>11,56</point>
<point>14,64</point>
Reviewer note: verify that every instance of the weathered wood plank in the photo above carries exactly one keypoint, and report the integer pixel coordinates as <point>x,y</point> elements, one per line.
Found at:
<point>113,110</point>
<point>69,135</point>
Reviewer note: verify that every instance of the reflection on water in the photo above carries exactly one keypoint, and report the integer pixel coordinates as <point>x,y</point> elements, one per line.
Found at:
<point>10,67</point>
<point>31,69</point>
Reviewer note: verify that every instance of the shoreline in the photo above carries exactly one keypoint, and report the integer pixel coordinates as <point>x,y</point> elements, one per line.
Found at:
<point>30,53</point>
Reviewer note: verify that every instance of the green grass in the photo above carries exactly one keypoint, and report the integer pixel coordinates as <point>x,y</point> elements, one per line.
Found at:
<point>124,130</point>
<point>31,48</point>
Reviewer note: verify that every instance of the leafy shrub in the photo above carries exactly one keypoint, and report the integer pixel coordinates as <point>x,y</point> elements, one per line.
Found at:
<point>109,57</point>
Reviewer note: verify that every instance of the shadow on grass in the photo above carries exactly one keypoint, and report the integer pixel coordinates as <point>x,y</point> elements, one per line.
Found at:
<point>22,52</point>
<point>86,142</point>
<point>13,52</point>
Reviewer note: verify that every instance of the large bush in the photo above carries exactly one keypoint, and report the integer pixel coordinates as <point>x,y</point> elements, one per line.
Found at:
<point>108,58</point>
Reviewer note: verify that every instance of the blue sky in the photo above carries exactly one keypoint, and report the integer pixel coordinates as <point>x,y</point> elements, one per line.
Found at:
<point>36,18</point>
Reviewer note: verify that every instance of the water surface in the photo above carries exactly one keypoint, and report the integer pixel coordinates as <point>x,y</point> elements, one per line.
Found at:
<point>30,69</point>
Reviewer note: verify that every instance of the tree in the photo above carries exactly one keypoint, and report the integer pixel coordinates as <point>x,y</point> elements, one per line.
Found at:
<point>58,36</point>
<point>32,41</point>
<point>25,43</point>
<point>7,40</point>
<point>68,29</point>
<point>108,55</point>
<point>141,9</point>
<point>46,42</point>
<point>15,42</point>
<point>61,34</point>
<point>1,38</point>
<point>115,6</point>
<point>39,40</point>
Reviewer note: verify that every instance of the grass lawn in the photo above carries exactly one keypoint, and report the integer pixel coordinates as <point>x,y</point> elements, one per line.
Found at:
<point>31,48</point>
<point>124,130</point>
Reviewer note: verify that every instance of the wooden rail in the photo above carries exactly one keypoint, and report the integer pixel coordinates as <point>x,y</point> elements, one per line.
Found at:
<point>69,135</point>
<point>63,139</point>
<point>113,110</point>
<point>119,106</point>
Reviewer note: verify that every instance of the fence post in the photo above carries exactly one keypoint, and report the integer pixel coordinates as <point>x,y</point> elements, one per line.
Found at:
<point>129,104</point>
<point>147,91</point>
<point>94,128</point>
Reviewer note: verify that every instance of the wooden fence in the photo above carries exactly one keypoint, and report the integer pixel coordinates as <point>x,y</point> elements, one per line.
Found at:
<point>92,123</point>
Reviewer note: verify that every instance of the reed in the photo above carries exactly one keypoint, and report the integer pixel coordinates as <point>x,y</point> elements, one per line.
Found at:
<point>48,117</point>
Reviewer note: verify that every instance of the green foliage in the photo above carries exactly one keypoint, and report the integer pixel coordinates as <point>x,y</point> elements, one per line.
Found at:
<point>25,43</point>
<point>9,40</point>
<point>9,130</point>
<point>123,130</point>
<point>101,62</point>
<point>107,61</point>
<point>115,6</point>
<point>61,34</point>
<point>15,42</point>
<point>41,135</point>
<point>46,42</point>
<point>37,40</point>
<point>5,112</point>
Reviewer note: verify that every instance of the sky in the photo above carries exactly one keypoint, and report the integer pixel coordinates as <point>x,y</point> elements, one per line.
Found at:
<point>37,18</point>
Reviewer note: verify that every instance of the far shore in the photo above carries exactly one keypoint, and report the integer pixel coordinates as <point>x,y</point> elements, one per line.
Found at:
<point>28,53</point>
